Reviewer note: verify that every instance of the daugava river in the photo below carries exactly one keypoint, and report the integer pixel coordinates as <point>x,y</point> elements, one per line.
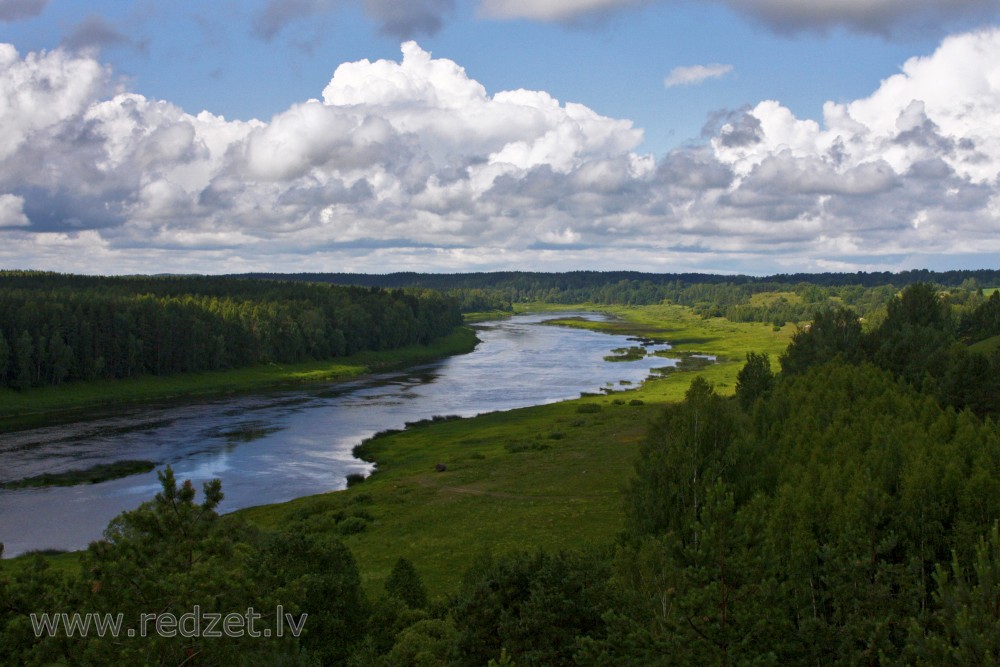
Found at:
<point>273,447</point>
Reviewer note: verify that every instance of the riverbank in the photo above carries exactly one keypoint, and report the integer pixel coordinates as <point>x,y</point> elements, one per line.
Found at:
<point>65,402</point>
<point>688,334</point>
<point>548,476</point>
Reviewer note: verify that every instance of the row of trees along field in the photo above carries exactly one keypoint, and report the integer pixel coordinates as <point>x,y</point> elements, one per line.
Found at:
<point>840,512</point>
<point>56,328</point>
<point>779,298</point>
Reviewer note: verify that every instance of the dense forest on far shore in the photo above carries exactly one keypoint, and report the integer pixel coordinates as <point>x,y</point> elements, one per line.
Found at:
<point>775,299</point>
<point>57,328</point>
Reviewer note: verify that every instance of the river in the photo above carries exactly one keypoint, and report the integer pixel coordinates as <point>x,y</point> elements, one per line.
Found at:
<point>273,447</point>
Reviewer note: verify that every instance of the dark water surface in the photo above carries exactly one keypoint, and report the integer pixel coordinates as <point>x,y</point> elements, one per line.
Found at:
<point>273,447</point>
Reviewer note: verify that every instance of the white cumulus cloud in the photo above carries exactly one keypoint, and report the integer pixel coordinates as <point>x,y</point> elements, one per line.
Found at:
<point>42,90</point>
<point>412,164</point>
<point>12,211</point>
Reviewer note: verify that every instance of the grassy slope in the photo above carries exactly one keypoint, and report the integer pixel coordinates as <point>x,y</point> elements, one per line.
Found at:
<point>23,408</point>
<point>565,496</point>
<point>987,346</point>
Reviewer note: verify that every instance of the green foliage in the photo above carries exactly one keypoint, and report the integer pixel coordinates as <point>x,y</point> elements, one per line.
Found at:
<point>173,556</point>
<point>352,525</point>
<point>964,626</point>
<point>833,333</point>
<point>918,306</point>
<point>688,450</point>
<point>317,575</point>
<point>404,583</point>
<point>426,643</point>
<point>915,341</point>
<point>68,328</point>
<point>518,446</point>
<point>830,543</point>
<point>532,606</point>
<point>982,322</point>
<point>755,380</point>
<point>28,409</point>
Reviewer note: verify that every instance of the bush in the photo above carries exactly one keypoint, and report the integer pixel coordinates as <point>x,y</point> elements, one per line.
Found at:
<point>361,514</point>
<point>405,584</point>
<point>515,447</point>
<point>588,408</point>
<point>352,525</point>
<point>355,478</point>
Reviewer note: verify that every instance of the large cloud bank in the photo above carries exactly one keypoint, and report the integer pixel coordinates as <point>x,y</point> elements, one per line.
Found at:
<point>871,16</point>
<point>413,165</point>
<point>418,17</point>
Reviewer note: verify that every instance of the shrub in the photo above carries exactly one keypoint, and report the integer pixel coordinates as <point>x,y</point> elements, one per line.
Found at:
<point>515,447</point>
<point>352,525</point>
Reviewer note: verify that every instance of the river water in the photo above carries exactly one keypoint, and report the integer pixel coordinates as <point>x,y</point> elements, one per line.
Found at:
<point>276,446</point>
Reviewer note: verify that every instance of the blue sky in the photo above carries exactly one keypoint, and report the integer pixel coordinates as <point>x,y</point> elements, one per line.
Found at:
<point>730,136</point>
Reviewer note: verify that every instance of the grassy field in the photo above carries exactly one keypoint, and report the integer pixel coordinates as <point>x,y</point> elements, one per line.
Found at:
<point>689,333</point>
<point>988,346</point>
<point>544,476</point>
<point>22,409</point>
<point>548,476</point>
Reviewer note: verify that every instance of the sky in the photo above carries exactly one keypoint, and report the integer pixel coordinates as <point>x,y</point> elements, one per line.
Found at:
<point>716,136</point>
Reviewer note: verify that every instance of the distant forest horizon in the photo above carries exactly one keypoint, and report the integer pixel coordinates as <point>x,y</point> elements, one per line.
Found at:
<point>581,278</point>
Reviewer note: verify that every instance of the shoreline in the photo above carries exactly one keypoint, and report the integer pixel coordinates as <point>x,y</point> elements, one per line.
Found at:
<point>42,406</point>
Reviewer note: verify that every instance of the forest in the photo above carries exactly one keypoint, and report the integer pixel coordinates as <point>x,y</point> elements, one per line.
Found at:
<point>795,296</point>
<point>57,328</point>
<point>840,510</point>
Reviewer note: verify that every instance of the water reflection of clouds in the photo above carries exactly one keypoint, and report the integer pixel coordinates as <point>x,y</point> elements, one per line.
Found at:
<point>207,468</point>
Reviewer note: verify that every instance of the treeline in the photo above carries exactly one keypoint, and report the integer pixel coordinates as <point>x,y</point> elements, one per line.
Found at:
<point>797,295</point>
<point>922,341</point>
<point>57,328</point>
<point>571,280</point>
